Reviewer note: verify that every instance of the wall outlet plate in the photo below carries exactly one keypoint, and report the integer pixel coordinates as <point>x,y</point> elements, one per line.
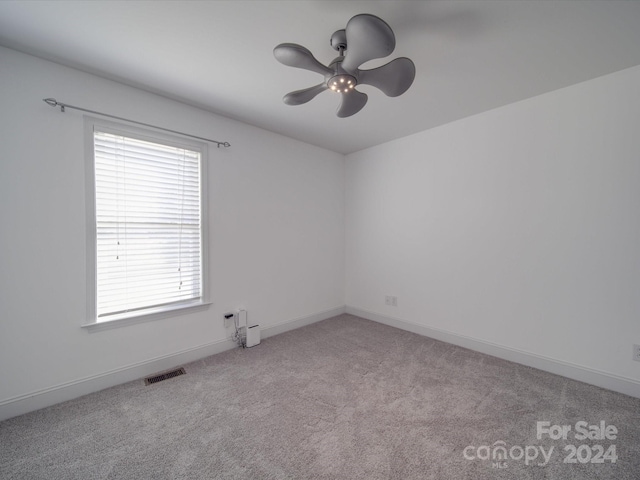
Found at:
<point>228,318</point>
<point>636,353</point>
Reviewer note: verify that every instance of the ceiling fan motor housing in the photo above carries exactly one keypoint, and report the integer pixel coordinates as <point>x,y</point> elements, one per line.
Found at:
<point>339,40</point>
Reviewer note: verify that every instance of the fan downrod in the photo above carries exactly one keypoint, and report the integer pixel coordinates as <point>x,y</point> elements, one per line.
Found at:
<point>339,41</point>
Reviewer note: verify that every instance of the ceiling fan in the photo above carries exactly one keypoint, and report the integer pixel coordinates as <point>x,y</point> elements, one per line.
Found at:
<point>365,38</point>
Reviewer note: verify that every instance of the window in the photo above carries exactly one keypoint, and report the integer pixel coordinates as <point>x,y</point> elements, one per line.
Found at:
<point>147,251</point>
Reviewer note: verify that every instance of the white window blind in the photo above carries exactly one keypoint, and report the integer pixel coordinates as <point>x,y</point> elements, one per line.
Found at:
<point>148,225</point>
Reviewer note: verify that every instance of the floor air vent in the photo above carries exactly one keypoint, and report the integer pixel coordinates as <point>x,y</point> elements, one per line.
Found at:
<point>163,376</point>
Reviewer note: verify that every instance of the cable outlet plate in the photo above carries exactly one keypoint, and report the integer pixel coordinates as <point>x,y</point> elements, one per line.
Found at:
<point>636,353</point>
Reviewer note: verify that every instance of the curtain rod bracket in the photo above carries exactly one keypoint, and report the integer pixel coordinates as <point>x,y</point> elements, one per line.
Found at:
<point>54,103</point>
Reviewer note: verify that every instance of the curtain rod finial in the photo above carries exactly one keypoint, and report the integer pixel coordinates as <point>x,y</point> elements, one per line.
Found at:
<point>54,103</point>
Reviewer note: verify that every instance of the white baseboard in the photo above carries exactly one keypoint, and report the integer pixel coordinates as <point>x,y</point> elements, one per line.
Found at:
<point>29,402</point>
<point>625,385</point>
<point>59,393</point>
<point>12,407</point>
<point>302,321</point>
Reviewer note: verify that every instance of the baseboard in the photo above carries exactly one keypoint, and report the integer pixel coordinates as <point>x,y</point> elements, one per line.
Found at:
<point>282,327</point>
<point>628,386</point>
<point>19,405</point>
<point>50,396</point>
<point>29,402</point>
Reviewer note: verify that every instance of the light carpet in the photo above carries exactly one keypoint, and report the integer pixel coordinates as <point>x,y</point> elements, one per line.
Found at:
<point>345,398</point>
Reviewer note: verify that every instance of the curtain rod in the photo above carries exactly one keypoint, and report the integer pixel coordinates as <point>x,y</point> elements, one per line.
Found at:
<point>54,103</point>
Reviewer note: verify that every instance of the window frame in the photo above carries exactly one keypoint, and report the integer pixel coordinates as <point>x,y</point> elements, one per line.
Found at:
<point>91,124</point>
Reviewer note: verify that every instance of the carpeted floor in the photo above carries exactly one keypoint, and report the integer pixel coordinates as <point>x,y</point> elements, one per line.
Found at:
<point>345,398</point>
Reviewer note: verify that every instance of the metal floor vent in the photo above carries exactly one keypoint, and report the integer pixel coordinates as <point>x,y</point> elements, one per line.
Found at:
<point>163,376</point>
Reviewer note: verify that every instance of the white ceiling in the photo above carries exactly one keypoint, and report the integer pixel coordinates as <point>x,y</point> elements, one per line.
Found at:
<point>470,56</point>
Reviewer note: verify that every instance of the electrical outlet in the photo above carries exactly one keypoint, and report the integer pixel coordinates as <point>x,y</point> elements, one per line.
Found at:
<point>391,300</point>
<point>636,353</point>
<point>228,317</point>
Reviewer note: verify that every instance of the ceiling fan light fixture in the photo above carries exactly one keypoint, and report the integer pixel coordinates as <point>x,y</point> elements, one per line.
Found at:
<point>342,83</point>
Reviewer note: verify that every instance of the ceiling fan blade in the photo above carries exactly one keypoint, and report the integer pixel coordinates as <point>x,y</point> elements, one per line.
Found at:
<point>368,37</point>
<point>393,79</point>
<point>351,103</point>
<point>294,55</point>
<point>303,96</point>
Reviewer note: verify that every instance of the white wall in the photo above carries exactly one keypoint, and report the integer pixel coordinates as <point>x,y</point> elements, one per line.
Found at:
<point>518,228</point>
<point>276,234</point>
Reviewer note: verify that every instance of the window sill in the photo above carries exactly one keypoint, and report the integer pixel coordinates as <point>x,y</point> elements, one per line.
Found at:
<point>148,316</point>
